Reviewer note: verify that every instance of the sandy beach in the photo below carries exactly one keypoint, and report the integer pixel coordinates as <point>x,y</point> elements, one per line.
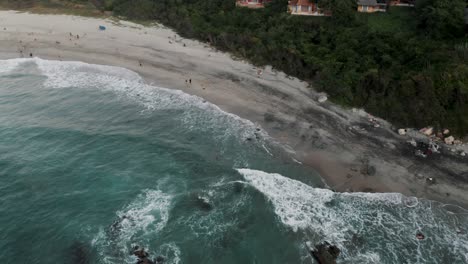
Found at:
<point>341,144</point>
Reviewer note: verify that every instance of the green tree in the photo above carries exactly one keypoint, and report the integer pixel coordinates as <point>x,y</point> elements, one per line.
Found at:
<point>343,11</point>
<point>442,18</point>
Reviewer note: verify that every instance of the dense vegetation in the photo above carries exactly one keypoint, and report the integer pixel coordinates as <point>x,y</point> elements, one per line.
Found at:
<point>408,65</point>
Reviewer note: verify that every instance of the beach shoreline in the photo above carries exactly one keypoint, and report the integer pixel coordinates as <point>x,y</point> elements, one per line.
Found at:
<point>340,144</point>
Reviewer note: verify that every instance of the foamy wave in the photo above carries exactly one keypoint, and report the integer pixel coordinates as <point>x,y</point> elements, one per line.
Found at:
<point>146,215</point>
<point>171,253</point>
<point>8,66</point>
<point>196,113</point>
<point>149,211</point>
<point>368,227</point>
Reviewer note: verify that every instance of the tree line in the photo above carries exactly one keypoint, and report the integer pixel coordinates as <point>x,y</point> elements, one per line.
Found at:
<point>415,75</point>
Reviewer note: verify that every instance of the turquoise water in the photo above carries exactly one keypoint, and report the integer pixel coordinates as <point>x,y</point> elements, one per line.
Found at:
<point>93,162</point>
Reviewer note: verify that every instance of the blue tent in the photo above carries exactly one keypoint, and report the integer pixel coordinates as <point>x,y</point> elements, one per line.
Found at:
<point>102,28</point>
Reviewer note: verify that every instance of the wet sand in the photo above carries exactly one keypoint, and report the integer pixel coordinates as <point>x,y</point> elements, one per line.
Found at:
<point>341,144</point>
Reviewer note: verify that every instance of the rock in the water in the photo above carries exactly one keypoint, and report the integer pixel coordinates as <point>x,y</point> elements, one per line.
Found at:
<point>449,140</point>
<point>203,203</point>
<point>159,260</point>
<point>142,256</point>
<point>80,253</point>
<point>325,253</point>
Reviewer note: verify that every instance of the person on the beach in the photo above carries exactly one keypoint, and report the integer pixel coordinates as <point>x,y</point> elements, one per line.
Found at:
<point>190,81</point>
<point>30,55</point>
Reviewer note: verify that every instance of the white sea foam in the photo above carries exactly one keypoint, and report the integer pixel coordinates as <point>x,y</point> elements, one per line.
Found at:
<point>171,253</point>
<point>146,215</point>
<point>197,114</point>
<point>368,227</point>
<point>8,66</point>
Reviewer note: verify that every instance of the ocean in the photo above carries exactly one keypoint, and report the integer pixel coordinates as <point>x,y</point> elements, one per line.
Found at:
<point>94,161</point>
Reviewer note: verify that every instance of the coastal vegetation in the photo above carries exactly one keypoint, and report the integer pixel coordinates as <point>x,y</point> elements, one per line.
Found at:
<point>408,65</point>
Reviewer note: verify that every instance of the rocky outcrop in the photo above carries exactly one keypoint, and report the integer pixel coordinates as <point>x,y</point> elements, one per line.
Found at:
<point>143,257</point>
<point>325,253</point>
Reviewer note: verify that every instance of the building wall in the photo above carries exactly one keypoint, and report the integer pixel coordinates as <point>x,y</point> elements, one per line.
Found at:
<point>311,10</point>
<point>370,9</point>
<point>251,3</point>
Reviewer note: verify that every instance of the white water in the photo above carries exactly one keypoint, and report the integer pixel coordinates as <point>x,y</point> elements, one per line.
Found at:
<point>386,224</point>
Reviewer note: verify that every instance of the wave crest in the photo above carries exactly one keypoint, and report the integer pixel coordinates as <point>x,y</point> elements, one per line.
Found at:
<point>366,226</point>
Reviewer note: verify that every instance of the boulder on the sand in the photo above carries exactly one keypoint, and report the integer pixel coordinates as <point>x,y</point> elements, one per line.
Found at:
<point>431,180</point>
<point>402,131</point>
<point>368,170</point>
<point>325,253</point>
<point>449,140</point>
<point>427,131</point>
<point>322,98</point>
<point>446,131</point>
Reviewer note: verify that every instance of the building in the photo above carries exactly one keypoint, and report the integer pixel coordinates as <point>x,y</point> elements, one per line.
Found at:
<point>306,8</point>
<point>252,3</point>
<point>371,6</point>
<point>402,2</point>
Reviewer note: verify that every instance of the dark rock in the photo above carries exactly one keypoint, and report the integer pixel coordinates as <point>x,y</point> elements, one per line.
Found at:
<point>203,203</point>
<point>371,170</point>
<point>142,256</point>
<point>238,187</point>
<point>368,170</point>
<point>268,117</point>
<point>367,190</point>
<point>325,253</point>
<point>159,260</point>
<point>80,253</point>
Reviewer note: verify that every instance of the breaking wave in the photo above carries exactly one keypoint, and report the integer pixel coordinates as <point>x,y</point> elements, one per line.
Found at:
<point>368,227</point>
<point>72,74</point>
<point>194,113</point>
<point>137,222</point>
